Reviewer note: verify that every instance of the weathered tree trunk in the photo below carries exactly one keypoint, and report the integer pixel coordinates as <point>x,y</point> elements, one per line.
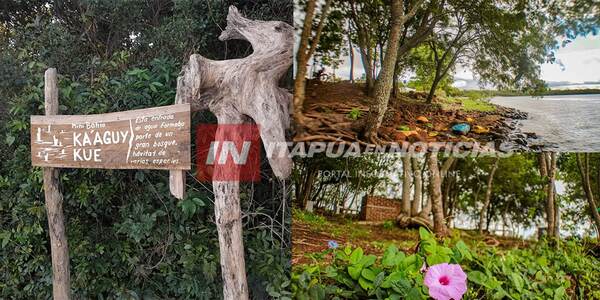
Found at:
<point>59,249</point>
<point>239,91</point>
<point>584,170</point>
<point>488,195</point>
<point>418,182</point>
<point>406,184</point>
<point>435,187</point>
<point>303,56</point>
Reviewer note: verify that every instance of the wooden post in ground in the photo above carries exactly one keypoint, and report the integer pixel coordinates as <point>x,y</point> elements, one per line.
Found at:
<point>177,177</point>
<point>61,287</point>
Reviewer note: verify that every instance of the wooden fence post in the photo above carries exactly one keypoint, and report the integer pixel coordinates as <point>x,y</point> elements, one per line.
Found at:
<point>61,287</point>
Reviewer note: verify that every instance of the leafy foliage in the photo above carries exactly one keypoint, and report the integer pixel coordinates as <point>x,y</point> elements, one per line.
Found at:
<point>541,272</point>
<point>128,238</point>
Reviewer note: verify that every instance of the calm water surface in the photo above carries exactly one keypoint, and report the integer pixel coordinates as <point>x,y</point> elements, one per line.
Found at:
<point>566,123</point>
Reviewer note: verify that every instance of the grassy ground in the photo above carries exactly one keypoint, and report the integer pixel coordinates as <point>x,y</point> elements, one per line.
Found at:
<point>467,104</point>
<point>312,232</point>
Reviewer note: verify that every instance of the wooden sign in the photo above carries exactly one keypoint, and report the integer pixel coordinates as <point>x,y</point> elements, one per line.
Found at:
<point>153,138</point>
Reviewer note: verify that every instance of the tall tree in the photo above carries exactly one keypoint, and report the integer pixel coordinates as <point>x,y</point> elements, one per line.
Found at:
<point>383,85</point>
<point>306,49</point>
<point>435,192</point>
<point>488,195</point>
<point>418,183</point>
<point>547,163</point>
<point>406,184</point>
<point>583,164</point>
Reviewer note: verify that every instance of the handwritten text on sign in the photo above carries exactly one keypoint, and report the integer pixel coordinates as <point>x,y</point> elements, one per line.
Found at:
<point>153,138</point>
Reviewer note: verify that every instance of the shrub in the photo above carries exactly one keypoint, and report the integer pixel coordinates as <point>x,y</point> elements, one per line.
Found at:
<point>542,272</point>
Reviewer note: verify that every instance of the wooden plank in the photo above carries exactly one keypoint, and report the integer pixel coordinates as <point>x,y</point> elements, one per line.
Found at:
<point>177,177</point>
<point>153,138</point>
<point>61,282</point>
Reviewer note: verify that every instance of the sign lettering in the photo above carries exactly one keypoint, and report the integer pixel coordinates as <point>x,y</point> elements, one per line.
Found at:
<point>153,138</point>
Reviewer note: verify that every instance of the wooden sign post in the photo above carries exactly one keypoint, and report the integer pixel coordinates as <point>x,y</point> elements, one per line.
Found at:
<point>153,138</point>
<point>61,280</point>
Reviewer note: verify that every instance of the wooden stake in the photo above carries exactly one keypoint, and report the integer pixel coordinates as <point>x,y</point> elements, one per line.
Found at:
<point>177,177</point>
<point>61,287</point>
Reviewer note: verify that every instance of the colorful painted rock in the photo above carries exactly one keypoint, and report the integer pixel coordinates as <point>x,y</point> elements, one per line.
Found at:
<point>461,128</point>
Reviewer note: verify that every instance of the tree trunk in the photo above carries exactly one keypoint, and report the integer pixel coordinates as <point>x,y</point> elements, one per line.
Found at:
<point>583,165</point>
<point>435,187</point>
<point>434,85</point>
<point>406,184</point>
<point>303,56</point>
<point>550,204</point>
<point>307,187</point>
<point>237,91</point>
<point>418,182</point>
<point>395,81</point>
<point>488,196</point>
<point>351,52</point>
<point>384,81</point>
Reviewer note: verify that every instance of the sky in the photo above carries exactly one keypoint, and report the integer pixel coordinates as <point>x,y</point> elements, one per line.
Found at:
<point>579,62</point>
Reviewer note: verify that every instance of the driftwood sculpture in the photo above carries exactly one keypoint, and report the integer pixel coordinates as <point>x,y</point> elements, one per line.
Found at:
<point>242,91</point>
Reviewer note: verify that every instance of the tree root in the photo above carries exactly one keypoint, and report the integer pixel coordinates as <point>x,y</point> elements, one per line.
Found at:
<point>404,221</point>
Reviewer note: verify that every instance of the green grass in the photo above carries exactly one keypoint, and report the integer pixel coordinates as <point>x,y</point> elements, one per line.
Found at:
<point>469,104</point>
<point>316,221</point>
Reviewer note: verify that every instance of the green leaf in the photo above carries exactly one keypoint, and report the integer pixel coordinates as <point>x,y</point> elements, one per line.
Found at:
<point>354,271</point>
<point>356,256</point>
<point>413,294</point>
<point>367,285</point>
<point>559,293</point>
<point>390,279</point>
<point>517,281</point>
<point>463,249</point>
<point>368,260</point>
<point>368,274</point>
<point>424,234</point>
<point>10,139</point>
<point>477,277</point>
<point>389,256</point>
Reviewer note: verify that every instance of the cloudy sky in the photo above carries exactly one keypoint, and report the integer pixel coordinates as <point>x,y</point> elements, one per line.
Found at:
<point>580,59</point>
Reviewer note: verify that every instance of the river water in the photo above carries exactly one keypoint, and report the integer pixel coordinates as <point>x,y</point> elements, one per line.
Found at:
<point>565,123</point>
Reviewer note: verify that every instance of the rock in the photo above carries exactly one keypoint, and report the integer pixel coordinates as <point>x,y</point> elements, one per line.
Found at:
<point>461,128</point>
<point>480,129</point>
<point>422,119</point>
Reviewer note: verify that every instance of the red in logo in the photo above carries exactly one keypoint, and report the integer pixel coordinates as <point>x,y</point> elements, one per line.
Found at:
<point>228,152</point>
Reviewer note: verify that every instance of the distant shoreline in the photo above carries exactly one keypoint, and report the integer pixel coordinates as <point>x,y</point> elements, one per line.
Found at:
<point>490,93</point>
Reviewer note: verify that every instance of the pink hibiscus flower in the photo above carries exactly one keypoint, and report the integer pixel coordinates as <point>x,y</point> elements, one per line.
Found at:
<point>446,281</point>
